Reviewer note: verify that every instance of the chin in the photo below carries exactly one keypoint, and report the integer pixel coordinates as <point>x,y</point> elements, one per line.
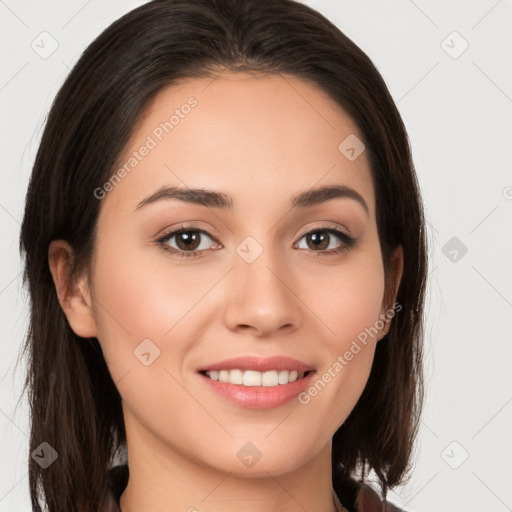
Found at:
<point>249,461</point>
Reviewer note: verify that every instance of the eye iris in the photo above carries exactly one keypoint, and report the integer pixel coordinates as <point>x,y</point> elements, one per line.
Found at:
<point>320,239</point>
<point>190,239</point>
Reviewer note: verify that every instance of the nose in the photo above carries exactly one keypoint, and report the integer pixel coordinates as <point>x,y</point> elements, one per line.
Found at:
<point>260,296</point>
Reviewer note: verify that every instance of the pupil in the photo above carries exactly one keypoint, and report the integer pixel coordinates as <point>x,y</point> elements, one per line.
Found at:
<point>189,238</point>
<point>319,240</point>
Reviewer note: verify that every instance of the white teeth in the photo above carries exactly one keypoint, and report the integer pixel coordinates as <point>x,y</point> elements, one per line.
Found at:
<point>253,378</point>
<point>283,376</point>
<point>269,378</point>
<point>236,376</point>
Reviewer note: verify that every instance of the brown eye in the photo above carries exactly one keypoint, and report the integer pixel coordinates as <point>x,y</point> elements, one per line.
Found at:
<point>318,240</point>
<point>324,241</point>
<point>188,242</point>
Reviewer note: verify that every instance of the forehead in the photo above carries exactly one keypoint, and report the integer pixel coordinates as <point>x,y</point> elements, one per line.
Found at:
<point>249,135</point>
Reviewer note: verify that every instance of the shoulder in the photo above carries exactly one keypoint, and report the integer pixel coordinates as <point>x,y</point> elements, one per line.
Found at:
<point>368,500</point>
<point>357,496</point>
<point>118,479</point>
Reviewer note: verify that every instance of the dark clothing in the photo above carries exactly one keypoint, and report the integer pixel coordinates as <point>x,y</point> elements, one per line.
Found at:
<point>365,498</point>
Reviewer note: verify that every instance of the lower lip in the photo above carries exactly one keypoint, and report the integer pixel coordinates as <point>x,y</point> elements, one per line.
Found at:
<point>259,397</point>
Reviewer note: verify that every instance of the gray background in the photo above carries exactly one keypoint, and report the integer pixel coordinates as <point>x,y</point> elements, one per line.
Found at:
<point>457,107</point>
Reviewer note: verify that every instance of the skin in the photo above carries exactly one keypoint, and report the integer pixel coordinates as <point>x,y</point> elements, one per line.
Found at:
<point>260,139</point>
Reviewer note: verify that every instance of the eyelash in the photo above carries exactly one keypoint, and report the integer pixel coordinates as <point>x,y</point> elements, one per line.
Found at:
<point>347,241</point>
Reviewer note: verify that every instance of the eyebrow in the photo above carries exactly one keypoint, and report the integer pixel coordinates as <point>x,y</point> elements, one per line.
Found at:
<point>214,199</point>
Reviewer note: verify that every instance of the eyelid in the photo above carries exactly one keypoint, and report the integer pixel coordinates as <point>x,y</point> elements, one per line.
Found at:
<point>338,230</point>
<point>214,234</point>
<point>192,225</point>
<point>325,224</point>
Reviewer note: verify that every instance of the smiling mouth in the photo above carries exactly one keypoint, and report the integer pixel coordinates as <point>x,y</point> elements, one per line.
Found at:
<point>253,378</point>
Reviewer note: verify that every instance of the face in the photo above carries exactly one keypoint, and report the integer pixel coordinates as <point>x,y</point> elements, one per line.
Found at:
<point>183,282</point>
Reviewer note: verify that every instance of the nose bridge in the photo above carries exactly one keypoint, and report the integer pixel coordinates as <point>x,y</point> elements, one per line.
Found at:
<point>259,295</point>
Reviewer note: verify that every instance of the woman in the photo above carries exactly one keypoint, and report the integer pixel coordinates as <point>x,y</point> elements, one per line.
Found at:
<point>225,251</point>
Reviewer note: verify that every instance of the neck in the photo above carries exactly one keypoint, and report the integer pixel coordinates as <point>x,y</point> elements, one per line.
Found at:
<point>164,479</point>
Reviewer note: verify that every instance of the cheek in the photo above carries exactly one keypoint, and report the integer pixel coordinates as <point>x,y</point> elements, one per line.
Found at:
<point>348,298</point>
<point>138,299</point>
<point>142,327</point>
<point>147,295</point>
<point>349,303</point>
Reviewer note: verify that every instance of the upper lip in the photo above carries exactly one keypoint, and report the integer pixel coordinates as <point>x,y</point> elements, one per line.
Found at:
<point>259,364</point>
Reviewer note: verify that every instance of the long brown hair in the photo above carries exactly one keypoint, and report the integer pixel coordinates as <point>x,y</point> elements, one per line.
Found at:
<point>74,404</point>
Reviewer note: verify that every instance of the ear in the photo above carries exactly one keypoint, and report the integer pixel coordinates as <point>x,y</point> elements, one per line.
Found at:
<point>392,285</point>
<point>73,292</point>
